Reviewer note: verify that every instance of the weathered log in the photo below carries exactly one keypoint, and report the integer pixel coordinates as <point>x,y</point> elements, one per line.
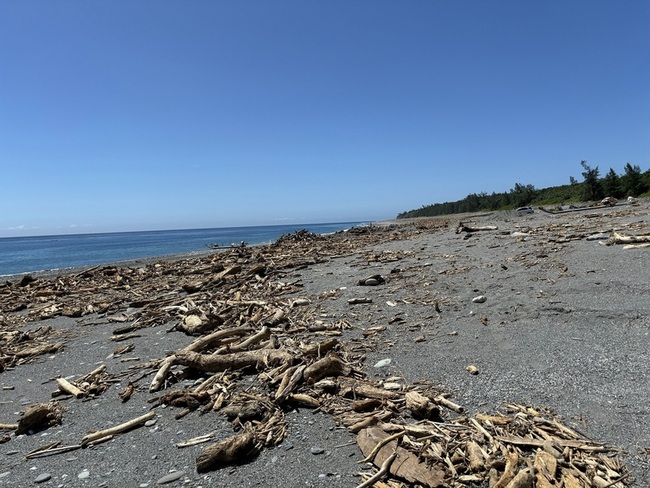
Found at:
<point>118,429</point>
<point>238,448</point>
<point>366,404</point>
<point>319,348</point>
<point>421,407</point>
<point>445,402</point>
<point>211,364</point>
<point>39,416</point>
<point>466,228</point>
<point>356,388</point>
<point>200,344</point>
<point>263,334</point>
<point>304,400</point>
<point>330,365</point>
<point>67,387</point>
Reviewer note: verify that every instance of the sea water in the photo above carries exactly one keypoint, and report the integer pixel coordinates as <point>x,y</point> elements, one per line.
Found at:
<point>44,253</point>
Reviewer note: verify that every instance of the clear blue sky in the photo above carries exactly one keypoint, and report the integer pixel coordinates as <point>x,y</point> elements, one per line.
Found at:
<point>157,114</point>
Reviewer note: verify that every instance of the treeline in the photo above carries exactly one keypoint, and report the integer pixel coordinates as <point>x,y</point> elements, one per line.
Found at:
<point>593,187</point>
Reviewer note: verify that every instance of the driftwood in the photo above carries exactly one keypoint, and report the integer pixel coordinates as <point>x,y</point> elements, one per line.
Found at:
<point>466,228</point>
<point>39,416</point>
<point>200,344</point>
<point>118,429</point>
<point>618,238</point>
<point>328,366</point>
<point>406,464</point>
<point>263,331</point>
<point>238,448</point>
<point>212,364</point>
<point>67,387</point>
<point>421,407</point>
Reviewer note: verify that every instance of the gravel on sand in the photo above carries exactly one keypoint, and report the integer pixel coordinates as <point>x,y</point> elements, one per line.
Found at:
<point>563,323</point>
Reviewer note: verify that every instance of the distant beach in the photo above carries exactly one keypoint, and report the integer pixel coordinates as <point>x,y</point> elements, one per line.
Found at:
<point>59,252</point>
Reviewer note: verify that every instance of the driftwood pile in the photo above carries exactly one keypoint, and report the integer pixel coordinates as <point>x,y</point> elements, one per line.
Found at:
<point>256,351</point>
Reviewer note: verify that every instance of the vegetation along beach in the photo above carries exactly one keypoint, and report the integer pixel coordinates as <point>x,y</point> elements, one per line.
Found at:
<point>485,349</point>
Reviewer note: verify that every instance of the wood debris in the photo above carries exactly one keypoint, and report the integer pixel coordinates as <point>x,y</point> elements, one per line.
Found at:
<point>259,349</point>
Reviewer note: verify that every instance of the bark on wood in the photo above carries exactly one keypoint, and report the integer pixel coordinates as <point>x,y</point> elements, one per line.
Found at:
<point>238,448</point>
<point>406,464</point>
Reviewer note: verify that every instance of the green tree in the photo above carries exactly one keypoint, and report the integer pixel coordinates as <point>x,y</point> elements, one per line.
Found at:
<point>522,195</point>
<point>633,183</point>
<point>593,189</point>
<point>612,184</point>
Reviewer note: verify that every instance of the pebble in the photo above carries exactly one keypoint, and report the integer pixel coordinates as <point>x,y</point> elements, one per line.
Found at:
<point>6,473</point>
<point>317,450</point>
<point>84,474</point>
<point>480,299</point>
<point>170,478</point>
<point>42,478</point>
<point>383,363</point>
<point>150,423</point>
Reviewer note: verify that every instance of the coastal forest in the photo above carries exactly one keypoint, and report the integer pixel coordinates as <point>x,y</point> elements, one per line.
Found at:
<point>593,187</point>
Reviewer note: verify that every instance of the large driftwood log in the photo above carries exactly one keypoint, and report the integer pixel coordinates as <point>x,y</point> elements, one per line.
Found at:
<point>200,344</point>
<point>212,364</point>
<point>238,448</point>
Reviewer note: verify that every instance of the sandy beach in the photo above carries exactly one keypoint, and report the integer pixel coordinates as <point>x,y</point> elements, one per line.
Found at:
<point>548,317</point>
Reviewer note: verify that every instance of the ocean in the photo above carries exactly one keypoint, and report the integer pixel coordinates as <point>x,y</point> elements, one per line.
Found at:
<point>19,255</point>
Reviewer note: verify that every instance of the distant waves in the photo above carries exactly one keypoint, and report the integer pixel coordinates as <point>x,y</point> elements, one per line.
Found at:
<point>45,253</point>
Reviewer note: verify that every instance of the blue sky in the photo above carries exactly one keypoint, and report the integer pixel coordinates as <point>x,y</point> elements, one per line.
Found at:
<point>158,114</point>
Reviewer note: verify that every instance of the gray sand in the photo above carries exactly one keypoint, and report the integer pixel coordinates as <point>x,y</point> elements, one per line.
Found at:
<point>565,326</point>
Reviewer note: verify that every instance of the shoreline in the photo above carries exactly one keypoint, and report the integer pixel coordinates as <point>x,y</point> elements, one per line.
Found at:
<point>564,326</point>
